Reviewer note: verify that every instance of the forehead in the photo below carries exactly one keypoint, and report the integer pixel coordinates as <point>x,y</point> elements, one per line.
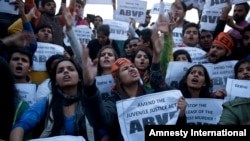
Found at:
<point>246,64</point>
<point>197,68</point>
<point>19,54</point>
<point>107,50</point>
<point>192,28</point>
<point>45,28</point>
<point>141,52</point>
<point>204,33</point>
<point>50,3</point>
<point>64,64</point>
<point>239,7</point>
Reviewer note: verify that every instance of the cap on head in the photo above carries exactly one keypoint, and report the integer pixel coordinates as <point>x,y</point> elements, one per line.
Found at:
<point>224,40</point>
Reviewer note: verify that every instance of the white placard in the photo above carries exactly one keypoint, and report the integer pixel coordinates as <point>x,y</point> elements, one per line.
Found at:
<point>109,2</point>
<point>61,138</point>
<point>6,7</point>
<point>212,4</point>
<point>203,111</point>
<point>27,91</point>
<point>197,54</point>
<point>177,69</point>
<point>237,88</point>
<point>177,36</point>
<point>221,71</point>
<point>127,9</point>
<point>209,19</point>
<point>83,34</point>
<point>104,84</point>
<point>118,29</point>
<point>151,109</point>
<point>43,52</point>
<point>156,8</point>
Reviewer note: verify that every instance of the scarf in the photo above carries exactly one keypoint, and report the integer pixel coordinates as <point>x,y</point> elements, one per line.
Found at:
<point>67,99</point>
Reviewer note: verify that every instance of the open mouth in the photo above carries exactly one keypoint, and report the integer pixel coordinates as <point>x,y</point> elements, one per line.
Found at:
<point>194,80</point>
<point>106,61</point>
<point>133,73</point>
<point>66,77</point>
<point>19,69</point>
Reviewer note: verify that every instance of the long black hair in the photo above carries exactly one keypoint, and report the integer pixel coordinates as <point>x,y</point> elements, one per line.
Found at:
<point>7,98</point>
<point>237,65</point>
<point>99,68</point>
<point>205,91</point>
<point>56,103</point>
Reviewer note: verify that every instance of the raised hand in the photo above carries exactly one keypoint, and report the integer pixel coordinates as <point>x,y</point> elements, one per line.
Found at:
<point>89,68</point>
<point>158,32</point>
<point>68,18</point>
<point>32,13</point>
<point>19,39</point>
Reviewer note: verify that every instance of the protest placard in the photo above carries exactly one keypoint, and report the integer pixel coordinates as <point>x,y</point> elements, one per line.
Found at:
<point>104,83</point>
<point>197,54</point>
<point>118,29</point>
<point>209,19</point>
<point>237,88</point>
<point>177,36</point>
<point>27,92</point>
<point>203,111</point>
<point>220,72</point>
<point>6,7</point>
<point>61,138</point>
<point>83,34</point>
<point>156,8</point>
<point>127,9</point>
<point>43,52</point>
<point>151,109</point>
<point>108,2</point>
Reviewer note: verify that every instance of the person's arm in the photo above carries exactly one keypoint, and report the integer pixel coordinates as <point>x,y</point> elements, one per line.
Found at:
<point>221,23</point>
<point>29,119</point>
<point>17,26</point>
<point>75,44</point>
<point>32,46</point>
<point>157,80</point>
<point>15,40</point>
<point>100,113</point>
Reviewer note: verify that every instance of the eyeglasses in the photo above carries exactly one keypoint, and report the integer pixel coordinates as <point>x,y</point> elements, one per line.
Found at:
<point>134,45</point>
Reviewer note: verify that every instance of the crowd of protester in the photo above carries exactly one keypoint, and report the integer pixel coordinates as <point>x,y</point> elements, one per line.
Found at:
<point>68,101</point>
